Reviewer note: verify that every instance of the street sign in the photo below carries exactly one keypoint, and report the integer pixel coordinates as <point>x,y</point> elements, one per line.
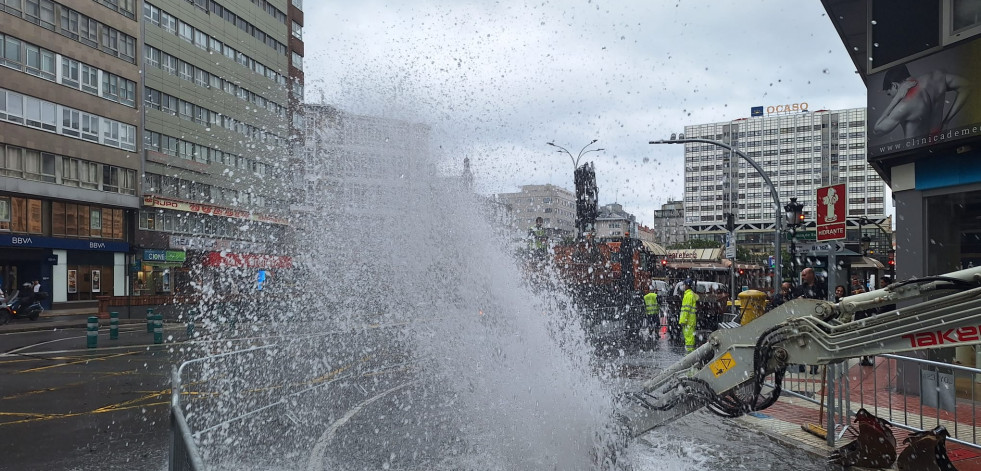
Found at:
<point>831,212</point>
<point>825,248</point>
<point>802,235</point>
<point>730,247</point>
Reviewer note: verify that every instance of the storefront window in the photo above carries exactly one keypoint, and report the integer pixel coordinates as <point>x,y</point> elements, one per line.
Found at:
<point>4,214</point>
<point>95,220</point>
<point>953,232</point>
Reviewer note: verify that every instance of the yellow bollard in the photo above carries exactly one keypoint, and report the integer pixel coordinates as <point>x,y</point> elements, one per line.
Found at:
<point>753,304</point>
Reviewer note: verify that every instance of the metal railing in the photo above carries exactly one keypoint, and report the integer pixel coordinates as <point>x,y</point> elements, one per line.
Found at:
<point>911,393</point>
<point>919,394</point>
<point>184,454</point>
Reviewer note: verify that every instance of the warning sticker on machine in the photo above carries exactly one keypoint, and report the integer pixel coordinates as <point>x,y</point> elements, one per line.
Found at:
<point>723,364</point>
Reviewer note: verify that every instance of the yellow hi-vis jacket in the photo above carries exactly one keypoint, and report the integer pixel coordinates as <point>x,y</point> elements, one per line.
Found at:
<point>687,318</point>
<point>650,304</point>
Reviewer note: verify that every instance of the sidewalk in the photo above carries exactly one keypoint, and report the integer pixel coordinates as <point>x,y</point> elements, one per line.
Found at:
<point>61,319</point>
<point>782,421</point>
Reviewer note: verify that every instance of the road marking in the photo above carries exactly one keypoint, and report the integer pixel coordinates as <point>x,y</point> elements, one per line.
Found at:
<point>109,408</point>
<point>142,348</point>
<point>119,406</point>
<point>132,402</point>
<point>84,360</point>
<point>316,456</point>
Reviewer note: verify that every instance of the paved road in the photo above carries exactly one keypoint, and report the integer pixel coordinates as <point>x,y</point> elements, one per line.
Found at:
<point>362,401</point>
<point>65,406</point>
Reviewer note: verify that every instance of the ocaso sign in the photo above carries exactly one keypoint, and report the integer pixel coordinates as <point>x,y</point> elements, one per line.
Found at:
<point>787,108</point>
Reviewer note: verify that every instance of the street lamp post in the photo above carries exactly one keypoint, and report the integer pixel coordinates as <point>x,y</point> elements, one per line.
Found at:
<point>575,167</point>
<point>795,217</point>
<point>866,243</point>
<point>778,268</point>
<point>864,239</point>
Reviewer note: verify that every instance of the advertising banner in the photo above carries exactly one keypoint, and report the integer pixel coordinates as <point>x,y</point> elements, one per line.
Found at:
<point>178,205</point>
<point>929,101</point>
<point>831,212</point>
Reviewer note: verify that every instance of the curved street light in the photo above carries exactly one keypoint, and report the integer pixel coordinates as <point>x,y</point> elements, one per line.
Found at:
<point>575,168</point>
<point>778,263</point>
<point>575,160</point>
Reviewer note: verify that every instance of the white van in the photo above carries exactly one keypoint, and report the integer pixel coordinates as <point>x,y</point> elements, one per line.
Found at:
<point>701,287</point>
<point>660,287</point>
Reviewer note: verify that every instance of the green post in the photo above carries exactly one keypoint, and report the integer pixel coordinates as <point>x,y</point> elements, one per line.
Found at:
<point>113,326</point>
<point>158,329</point>
<point>92,336</point>
<point>149,320</point>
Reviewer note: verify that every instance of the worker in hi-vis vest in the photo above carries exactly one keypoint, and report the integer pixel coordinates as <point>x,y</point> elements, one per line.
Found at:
<point>688,319</point>
<point>653,312</point>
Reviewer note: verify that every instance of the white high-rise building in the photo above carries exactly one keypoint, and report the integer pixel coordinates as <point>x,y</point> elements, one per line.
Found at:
<point>800,152</point>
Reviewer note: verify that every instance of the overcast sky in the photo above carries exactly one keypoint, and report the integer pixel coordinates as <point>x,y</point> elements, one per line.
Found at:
<point>496,80</point>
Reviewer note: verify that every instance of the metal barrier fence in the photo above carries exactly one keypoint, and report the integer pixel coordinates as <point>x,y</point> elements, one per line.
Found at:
<point>911,393</point>
<point>920,394</point>
<point>184,452</point>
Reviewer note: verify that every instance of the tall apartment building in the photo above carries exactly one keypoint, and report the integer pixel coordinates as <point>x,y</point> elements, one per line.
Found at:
<point>351,160</point>
<point>669,223</point>
<point>800,152</point>
<point>364,183</point>
<point>556,206</point>
<point>69,147</point>
<point>223,84</point>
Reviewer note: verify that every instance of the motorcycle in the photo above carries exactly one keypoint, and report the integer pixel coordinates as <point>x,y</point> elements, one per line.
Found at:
<point>12,308</point>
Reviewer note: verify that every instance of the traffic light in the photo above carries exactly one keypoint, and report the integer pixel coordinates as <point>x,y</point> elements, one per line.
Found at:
<point>800,219</point>
<point>741,272</point>
<point>730,222</point>
<point>664,262</point>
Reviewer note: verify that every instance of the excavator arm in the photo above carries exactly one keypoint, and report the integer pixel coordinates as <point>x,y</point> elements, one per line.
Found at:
<point>726,374</point>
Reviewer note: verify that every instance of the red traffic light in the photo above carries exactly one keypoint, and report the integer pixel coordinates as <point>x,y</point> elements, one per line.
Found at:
<point>664,262</point>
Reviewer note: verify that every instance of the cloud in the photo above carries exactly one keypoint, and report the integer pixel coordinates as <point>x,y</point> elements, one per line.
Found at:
<point>496,80</point>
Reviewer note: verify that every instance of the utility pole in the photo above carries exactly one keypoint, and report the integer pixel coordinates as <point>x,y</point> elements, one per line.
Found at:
<point>731,255</point>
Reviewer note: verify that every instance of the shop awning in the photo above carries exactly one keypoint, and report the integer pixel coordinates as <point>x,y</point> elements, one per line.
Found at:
<point>867,262</point>
<point>247,260</point>
<point>653,248</point>
<point>704,266</point>
<point>741,266</point>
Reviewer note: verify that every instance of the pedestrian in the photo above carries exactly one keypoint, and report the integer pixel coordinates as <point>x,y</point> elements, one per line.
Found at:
<point>537,238</point>
<point>688,318</point>
<point>809,287</point>
<point>653,311</point>
<point>839,293</point>
<point>870,360</point>
<point>37,287</point>
<point>781,297</point>
<point>857,286</point>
